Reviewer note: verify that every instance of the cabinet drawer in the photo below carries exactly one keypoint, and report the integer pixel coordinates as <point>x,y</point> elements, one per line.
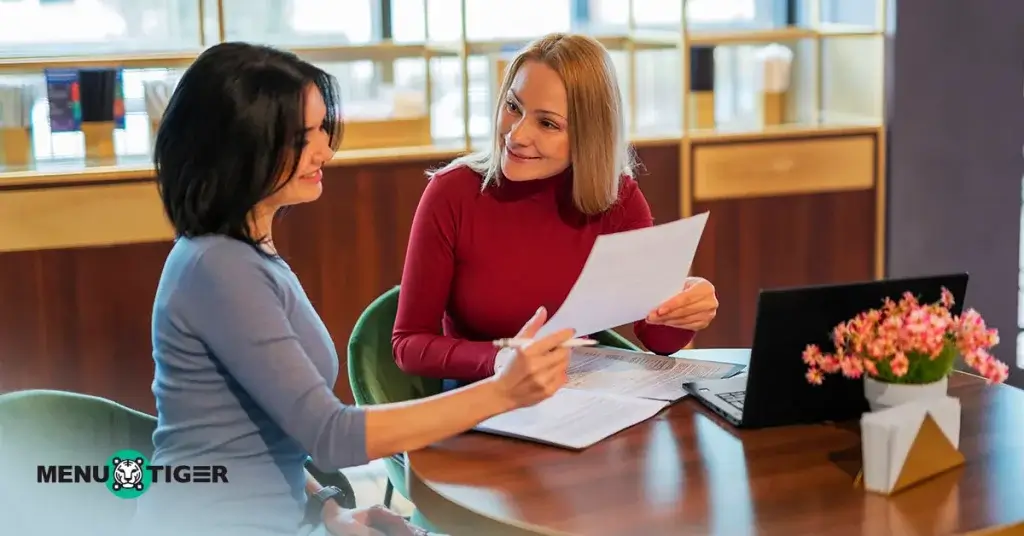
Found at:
<point>769,168</point>
<point>82,216</point>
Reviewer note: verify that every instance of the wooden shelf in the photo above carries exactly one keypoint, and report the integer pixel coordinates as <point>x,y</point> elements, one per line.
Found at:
<point>132,168</point>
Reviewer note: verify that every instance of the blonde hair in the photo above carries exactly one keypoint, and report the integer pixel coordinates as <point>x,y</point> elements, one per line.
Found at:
<point>600,152</point>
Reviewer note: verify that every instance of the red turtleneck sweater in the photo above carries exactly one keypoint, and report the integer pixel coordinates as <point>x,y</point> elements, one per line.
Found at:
<point>479,264</point>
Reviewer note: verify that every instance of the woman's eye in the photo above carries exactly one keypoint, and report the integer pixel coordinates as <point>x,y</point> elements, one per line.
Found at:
<point>511,106</point>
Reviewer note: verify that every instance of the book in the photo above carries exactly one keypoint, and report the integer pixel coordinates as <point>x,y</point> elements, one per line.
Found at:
<point>609,390</point>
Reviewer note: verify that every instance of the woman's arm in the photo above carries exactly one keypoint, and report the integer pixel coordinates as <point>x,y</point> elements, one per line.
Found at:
<point>531,375</point>
<point>234,306</point>
<point>312,485</point>
<point>636,214</point>
<point>405,426</point>
<point>417,343</point>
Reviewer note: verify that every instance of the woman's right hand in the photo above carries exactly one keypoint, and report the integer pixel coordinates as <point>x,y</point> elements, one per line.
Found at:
<point>533,373</point>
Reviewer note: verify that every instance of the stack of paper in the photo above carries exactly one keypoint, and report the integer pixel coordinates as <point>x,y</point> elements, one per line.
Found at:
<point>573,418</point>
<point>608,391</point>
<point>641,375</point>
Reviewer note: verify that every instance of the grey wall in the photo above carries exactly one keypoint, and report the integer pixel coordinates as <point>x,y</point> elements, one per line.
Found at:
<point>955,154</point>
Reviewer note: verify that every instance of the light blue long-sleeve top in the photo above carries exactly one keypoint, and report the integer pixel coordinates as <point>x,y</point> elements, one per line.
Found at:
<point>245,370</point>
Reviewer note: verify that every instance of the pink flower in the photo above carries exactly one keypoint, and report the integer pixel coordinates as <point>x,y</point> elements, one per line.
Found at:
<point>995,371</point>
<point>903,333</point>
<point>947,298</point>
<point>900,365</point>
<point>830,364</point>
<point>853,367</point>
<point>812,356</point>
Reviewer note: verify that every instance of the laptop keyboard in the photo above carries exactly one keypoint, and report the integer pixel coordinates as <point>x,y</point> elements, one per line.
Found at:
<point>734,399</point>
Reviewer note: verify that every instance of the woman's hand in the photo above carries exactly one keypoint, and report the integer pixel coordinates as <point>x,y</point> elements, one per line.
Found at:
<point>373,521</point>
<point>532,374</point>
<point>693,308</point>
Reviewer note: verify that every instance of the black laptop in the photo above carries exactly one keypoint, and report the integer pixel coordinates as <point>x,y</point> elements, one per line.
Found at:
<point>787,321</point>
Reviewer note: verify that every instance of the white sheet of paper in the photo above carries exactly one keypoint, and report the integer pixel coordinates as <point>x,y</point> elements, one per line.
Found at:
<point>573,419</point>
<point>639,374</point>
<point>627,275</point>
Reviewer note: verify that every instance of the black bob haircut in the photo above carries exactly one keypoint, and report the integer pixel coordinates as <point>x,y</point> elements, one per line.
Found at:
<point>232,129</point>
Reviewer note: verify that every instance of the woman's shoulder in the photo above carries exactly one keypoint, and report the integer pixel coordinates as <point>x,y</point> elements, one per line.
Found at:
<point>211,251</point>
<point>452,185</point>
<point>456,178</point>
<point>629,189</point>
<point>216,259</point>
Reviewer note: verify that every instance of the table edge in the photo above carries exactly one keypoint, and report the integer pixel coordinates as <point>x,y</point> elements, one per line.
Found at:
<point>419,485</point>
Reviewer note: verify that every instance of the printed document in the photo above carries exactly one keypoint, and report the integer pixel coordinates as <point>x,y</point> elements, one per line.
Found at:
<point>639,374</point>
<point>573,419</point>
<point>627,275</point>
<point>608,391</point>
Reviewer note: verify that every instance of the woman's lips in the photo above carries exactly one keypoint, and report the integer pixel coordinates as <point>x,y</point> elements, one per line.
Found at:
<point>518,157</point>
<point>316,176</point>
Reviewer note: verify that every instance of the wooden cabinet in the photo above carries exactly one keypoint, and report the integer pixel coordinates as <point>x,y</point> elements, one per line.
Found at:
<point>784,213</point>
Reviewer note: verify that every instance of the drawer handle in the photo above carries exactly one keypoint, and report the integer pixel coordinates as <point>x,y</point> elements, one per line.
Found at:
<point>783,166</point>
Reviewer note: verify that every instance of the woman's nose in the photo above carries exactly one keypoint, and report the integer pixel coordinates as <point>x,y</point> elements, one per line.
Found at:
<point>519,134</point>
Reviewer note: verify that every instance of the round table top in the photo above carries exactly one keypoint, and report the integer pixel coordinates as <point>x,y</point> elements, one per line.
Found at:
<point>688,471</point>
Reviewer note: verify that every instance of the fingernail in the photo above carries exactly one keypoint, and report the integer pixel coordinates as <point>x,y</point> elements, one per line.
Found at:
<point>539,310</point>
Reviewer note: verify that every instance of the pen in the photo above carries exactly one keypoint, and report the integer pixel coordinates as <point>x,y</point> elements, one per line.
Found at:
<point>519,342</point>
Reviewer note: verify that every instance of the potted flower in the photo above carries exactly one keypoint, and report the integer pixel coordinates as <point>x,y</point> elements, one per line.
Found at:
<point>906,350</point>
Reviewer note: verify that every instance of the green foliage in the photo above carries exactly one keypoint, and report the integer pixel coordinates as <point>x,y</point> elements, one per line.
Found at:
<point>922,369</point>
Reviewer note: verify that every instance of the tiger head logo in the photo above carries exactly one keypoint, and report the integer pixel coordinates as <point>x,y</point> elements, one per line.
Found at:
<point>128,474</point>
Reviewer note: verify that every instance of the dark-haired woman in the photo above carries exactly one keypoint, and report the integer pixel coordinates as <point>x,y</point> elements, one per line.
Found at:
<point>245,368</point>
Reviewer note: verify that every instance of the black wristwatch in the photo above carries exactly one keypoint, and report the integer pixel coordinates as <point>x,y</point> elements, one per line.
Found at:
<point>316,502</point>
<point>328,493</point>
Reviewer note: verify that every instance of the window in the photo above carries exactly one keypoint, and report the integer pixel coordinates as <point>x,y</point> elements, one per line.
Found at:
<point>658,72</point>
<point>301,23</point>
<point>33,28</point>
<point>81,27</point>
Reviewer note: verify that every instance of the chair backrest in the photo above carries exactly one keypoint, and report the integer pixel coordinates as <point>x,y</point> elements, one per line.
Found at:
<point>46,427</point>
<point>372,372</point>
<point>611,338</point>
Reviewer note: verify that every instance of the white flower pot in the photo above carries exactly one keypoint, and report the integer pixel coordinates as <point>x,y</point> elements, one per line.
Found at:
<point>882,395</point>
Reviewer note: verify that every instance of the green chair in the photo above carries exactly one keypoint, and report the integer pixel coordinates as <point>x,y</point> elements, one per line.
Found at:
<point>376,379</point>
<point>49,427</point>
<point>46,427</point>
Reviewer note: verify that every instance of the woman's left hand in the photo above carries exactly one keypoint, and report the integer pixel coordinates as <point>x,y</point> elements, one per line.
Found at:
<point>693,308</point>
<point>373,521</point>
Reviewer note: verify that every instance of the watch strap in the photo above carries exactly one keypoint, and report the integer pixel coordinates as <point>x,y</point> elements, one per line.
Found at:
<point>328,493</point>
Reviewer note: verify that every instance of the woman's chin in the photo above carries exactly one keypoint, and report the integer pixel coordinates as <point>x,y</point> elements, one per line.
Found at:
<point>518,172</point>
<point>307,193</point>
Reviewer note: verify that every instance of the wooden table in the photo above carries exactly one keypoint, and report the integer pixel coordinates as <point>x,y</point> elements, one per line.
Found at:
<point>688,472</point>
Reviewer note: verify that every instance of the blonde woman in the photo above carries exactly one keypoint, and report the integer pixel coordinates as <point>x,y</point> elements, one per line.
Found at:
<point>501,232</point>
